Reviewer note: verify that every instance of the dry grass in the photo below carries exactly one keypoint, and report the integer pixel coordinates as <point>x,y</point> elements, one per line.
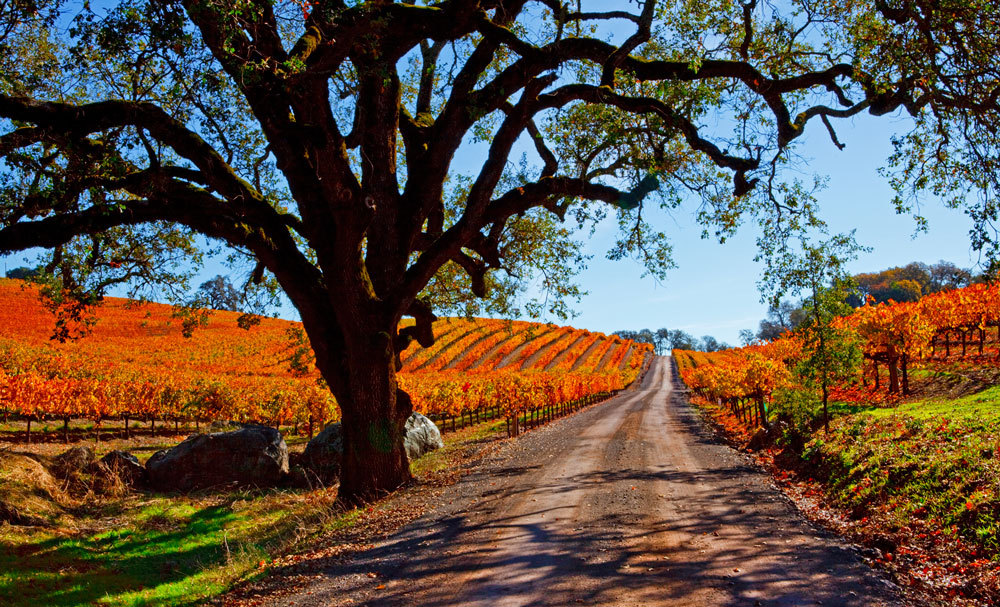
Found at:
<point>29,494</point>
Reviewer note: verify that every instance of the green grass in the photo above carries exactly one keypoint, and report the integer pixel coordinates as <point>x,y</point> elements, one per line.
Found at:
<point>932,463</point>
<point>170,550</point>
<point>157,551</point>
<point>984,407</point>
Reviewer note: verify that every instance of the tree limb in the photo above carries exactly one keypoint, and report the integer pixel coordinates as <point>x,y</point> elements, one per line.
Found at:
<point>75,122</point>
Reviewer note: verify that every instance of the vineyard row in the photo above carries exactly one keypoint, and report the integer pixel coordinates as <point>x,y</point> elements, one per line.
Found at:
<point>895,337</point>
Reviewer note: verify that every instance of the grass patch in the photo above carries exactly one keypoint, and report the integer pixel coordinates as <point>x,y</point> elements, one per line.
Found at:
<point>983,406</point>
<point>931,464</point>
<point>159,550</point>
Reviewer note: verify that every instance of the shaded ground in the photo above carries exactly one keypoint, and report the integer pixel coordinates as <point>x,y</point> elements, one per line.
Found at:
<point>632,502</point>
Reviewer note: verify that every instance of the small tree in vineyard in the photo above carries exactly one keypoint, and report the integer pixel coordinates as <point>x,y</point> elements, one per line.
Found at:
<point>831,351</point>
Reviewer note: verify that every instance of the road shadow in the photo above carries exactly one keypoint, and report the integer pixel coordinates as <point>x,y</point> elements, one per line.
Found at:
<point>587,564</point>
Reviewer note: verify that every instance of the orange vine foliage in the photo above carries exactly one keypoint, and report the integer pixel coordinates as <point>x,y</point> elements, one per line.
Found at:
<point>893,333</point>
<point>740,373</point>
<point>570,356</point>
<point>137,364</point>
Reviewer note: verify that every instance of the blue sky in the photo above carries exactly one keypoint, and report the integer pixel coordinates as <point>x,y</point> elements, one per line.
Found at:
<point>713,290</point>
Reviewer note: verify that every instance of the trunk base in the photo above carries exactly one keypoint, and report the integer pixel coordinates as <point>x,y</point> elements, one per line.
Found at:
<point>374,462</point>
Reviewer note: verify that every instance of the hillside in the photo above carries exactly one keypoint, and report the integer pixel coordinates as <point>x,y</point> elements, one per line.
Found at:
<point>909,466</point>
<point>136,363</point>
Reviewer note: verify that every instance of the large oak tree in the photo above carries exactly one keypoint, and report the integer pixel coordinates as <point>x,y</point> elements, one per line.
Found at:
<point>329,142</point>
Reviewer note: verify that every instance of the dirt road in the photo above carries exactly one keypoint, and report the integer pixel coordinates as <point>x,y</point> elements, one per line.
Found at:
<point>632,502</point>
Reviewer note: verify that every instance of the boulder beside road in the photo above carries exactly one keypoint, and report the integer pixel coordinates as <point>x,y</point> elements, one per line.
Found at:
<point>322,455</point>
<point>324,452</point>
<point>422,436</point>
<point>251,456</point>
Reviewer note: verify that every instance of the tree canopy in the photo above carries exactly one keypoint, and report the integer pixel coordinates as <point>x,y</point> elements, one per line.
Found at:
<point>910,282</point>
<point>375,159</point>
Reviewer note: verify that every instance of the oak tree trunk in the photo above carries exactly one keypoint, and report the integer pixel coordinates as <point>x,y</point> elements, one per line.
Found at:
<point>373,415</point>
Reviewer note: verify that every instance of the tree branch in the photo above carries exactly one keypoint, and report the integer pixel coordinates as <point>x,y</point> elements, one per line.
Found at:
<point>640,37</point>
<point>475,269</point>
<point>75,122</point>
<point>466,233</point>
<point>20,138</point>
<point>747,29</point>
<point>647,105</point>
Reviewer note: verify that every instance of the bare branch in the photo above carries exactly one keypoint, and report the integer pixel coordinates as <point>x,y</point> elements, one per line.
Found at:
<point>833,133</point>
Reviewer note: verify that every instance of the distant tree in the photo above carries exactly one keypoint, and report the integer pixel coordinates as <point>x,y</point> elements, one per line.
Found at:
<point>219,294</point>
<point>24,273</point>
<point>643,336</point>
<point>908,283</point>
<point>682,340</point>
<point>710,344</point>
<point>781,317</point>
<point>664,340</point>
<point>906,290</point>
<point>661,340</point>
<point>945,275</point>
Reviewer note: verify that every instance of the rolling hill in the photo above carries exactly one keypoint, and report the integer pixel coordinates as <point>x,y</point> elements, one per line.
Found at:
<point>136,363</point>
